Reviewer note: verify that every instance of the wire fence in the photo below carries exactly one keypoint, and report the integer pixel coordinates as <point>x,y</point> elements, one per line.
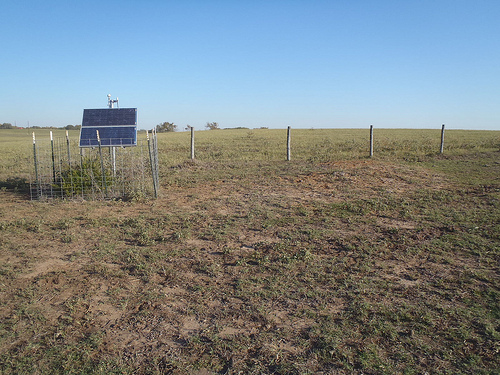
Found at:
<point>59,168</point>
<point>319,145</point>
<point>64,170</point>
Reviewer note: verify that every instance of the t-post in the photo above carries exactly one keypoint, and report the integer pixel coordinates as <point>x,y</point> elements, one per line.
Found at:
<point>441,148</point>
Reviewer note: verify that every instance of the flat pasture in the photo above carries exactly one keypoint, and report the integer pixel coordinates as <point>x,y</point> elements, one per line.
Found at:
<point>331,263</point>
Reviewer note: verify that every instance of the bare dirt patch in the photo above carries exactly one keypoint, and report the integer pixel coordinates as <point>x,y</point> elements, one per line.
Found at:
<point>252,272</point>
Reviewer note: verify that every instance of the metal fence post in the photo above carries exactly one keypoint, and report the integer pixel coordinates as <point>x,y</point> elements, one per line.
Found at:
<point>288,141</point>
<point>37,181</point>
<point>53,159</point>
<point>103,171</point>
<point>192,143</point>
<point>441,148</point>
<point>371,140</point>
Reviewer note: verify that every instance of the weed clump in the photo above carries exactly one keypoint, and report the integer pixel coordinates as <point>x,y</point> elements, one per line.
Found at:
<point>89,175</point>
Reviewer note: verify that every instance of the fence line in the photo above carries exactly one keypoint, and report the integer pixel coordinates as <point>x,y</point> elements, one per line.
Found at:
<point>60,171</point>
<point>289,142</point>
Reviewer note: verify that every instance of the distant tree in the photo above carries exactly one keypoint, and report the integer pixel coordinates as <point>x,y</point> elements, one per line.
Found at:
<point>6,125</point>
<point>166,127</point>
<point>212,126</point>
<point>188,127</point>
<point>70,127</point>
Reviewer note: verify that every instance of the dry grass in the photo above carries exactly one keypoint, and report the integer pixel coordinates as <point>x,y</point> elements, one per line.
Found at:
<point>260,266</point>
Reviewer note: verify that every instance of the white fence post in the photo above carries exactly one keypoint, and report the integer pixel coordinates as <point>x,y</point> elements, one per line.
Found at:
<point>371,140</point>
<point>288,141</point>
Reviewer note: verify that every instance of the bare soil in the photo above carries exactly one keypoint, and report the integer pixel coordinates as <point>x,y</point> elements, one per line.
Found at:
<point>235,273</point>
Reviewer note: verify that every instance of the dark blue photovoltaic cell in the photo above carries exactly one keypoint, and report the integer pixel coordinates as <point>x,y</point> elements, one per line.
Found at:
<point>109,135</point>
<point>109,117</point>
<point>117,127</point>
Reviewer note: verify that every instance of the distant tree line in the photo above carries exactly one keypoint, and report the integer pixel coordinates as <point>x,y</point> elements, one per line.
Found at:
<point>212,126</point>
<point>7,125</point>
<point>171,127</point>
<point>166,127</point>
<point>72,127</point>
<point>160,128</point>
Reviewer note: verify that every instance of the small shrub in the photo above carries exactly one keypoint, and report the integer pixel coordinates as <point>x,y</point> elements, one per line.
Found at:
<point>83,178</point>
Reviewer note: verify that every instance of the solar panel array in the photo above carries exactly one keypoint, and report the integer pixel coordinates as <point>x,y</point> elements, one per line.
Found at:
<point>116,126</point>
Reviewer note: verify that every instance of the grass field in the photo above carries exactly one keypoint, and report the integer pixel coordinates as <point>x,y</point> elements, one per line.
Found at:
<point>332,263</point>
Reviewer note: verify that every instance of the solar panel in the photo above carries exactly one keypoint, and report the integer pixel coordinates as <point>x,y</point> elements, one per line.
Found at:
<point>116,126</point>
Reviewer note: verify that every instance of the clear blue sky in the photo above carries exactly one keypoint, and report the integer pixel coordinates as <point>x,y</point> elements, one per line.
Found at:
<point>253,63</point>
